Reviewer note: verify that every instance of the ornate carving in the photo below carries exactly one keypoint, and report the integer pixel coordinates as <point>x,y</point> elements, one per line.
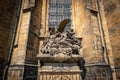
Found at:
<point>62,45</point>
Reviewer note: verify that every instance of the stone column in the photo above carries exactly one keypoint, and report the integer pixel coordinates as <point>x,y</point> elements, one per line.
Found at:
<point>16,69</point>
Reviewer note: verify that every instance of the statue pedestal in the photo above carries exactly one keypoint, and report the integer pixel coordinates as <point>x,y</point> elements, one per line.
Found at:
<point>54,69</point>
<point>59,58</point>
<point>59,71</point>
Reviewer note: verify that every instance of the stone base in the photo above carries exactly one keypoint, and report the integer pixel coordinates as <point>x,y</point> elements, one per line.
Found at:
<point>98,71</point>
<point>59,71</point>
<point>15,72</point>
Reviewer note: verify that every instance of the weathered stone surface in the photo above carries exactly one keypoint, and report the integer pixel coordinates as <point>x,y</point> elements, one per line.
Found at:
<point>85,22</point>
<point>5,27</point>
<point>112,11</point>
<point>6,31</point>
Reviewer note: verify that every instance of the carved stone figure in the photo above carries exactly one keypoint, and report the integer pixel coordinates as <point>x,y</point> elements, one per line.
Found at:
<point>62,44</point>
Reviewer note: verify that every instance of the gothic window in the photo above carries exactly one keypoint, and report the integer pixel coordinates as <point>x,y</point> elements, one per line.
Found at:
<point>58,11</point>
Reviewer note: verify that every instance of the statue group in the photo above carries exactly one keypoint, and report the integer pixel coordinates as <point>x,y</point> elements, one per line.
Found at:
<point>60,54</point>
<point>62,41</point>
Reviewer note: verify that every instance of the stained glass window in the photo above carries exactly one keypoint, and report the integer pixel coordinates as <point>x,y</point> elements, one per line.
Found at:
<point>58,11</point>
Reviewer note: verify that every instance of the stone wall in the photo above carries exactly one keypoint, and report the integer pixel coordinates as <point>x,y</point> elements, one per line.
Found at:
<point>86,24</point>
<point>112,11</point>
<point>34,32</point>
<point>6,30</point>
<point>26,45</point>
<point>85,21</point>
<point>6,15</point>
<point>33,42</point>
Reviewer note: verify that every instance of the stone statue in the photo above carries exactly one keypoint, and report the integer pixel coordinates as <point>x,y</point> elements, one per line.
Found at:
<point>61,42</point>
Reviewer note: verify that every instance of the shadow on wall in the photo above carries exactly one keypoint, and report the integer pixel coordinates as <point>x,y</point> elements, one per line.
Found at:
<point>82,67</point>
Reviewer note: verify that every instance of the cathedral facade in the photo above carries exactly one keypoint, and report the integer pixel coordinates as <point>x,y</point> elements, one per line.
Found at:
<point>26,24</point>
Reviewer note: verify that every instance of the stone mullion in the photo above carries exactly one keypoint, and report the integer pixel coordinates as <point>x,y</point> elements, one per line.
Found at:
<point>73,15</point>
<point>43,20</point>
